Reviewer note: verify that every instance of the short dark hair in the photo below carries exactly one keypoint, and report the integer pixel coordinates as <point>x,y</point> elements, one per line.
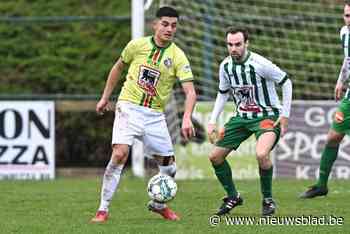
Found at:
<point>233,30</point>
<point>167,11</point>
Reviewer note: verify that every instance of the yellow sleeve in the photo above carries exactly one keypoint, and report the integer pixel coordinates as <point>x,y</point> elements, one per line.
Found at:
<point>183,68</point>
<point>128,52</point>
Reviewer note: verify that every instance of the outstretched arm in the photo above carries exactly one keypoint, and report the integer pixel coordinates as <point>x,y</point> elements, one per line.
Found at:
<point>190,101</point>
<point>111,82</point>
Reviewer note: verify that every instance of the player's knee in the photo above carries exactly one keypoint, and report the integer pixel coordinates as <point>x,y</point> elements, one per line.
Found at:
<point>119,156</point>
<point>262,158</point>
<point>169,170</point>
<point>333,141</point>
<point>262,154</point>
<point>263,161</point>
<point>334,138</point>
<point>215,158</point>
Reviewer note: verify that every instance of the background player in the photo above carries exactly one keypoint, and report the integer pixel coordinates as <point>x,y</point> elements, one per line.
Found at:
<point>341,120</point>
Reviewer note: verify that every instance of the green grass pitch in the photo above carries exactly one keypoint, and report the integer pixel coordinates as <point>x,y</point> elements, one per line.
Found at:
<point>66,205</point>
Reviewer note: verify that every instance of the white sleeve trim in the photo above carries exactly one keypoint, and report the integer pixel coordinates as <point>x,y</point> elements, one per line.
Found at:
<point>219,105</point>
<point>287,89</point>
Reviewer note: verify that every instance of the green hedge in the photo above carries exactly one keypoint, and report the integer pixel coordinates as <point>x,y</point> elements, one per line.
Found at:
<point>60,57</point>
<point>57,57</point>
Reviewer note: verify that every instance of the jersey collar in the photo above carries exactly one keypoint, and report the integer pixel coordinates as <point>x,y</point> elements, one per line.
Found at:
<point>155,45</point>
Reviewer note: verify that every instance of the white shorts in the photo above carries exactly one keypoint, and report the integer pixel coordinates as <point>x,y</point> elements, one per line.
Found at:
<point>132,121</point>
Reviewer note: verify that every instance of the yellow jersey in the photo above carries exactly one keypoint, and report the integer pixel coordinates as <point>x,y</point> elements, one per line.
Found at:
<point>152,72</point>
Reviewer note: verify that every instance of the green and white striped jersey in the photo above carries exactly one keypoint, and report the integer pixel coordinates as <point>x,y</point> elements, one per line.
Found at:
<point>345,41</point>
<point>253,85</point>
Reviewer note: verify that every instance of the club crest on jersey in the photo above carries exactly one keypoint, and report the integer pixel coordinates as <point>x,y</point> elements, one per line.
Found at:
<point>168,63</point>
<point>186,68</point>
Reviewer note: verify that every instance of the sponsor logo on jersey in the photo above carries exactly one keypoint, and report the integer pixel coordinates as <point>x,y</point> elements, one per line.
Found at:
<point>245,96</point>
<point>148,79</point>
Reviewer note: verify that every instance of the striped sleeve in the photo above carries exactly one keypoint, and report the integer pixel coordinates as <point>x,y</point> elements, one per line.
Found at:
<point>284,80</point>
<point>341,33</point>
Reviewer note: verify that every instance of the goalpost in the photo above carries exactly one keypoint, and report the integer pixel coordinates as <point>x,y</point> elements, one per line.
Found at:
<point>138,7</point>
<point>302,37</point>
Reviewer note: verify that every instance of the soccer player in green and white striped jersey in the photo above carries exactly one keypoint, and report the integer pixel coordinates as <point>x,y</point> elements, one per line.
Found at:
<point>341,120</point>
<point>252,79</point>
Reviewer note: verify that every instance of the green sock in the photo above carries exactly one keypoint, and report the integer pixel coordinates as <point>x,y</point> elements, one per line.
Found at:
<point>224,174</point>
<point>266,181</point>
<point>328,157</point>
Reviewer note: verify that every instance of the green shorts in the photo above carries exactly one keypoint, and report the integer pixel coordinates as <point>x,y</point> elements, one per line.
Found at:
<point>238,129</point>
<point>341,118</point>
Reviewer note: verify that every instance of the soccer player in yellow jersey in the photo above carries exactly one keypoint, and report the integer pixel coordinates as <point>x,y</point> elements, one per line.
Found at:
<point>155,62</point>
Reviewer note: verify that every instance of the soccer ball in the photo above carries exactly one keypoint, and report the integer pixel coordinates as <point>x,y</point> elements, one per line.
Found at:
<point>162,188</point>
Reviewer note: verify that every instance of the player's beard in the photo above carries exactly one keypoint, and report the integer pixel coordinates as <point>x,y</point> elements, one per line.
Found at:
<point>237,57</point>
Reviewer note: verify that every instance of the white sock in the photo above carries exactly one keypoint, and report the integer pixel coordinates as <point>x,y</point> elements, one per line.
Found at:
<point>169,170</point>
<point>158,205</point>
<point>110,184</point>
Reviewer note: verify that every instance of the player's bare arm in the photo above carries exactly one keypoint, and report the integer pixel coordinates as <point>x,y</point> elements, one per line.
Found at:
<point>111,82</point>
<point>190,93</point>
<point>342,79</point>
